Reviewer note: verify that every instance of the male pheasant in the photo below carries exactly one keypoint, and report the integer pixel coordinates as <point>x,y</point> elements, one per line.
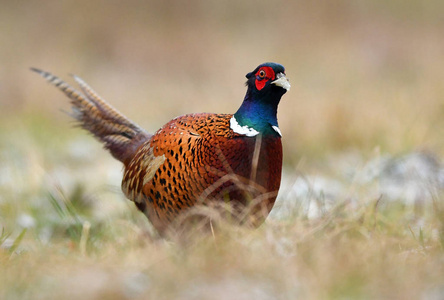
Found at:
<point>196,158</point>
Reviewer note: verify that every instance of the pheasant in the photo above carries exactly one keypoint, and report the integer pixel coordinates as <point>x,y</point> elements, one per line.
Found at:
<point>194,159</point>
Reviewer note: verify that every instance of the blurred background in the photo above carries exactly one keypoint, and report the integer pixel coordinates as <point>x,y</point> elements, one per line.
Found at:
<point>364,74</point>
<point>364,118</point>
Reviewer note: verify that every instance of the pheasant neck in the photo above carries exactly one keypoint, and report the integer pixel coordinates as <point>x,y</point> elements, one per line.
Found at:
<point>257,115</point>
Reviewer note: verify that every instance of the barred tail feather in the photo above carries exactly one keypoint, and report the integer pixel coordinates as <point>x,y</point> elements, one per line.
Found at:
<point>118,134</point>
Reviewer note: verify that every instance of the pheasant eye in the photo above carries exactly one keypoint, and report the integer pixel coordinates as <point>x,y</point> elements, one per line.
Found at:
<point>262,74</point>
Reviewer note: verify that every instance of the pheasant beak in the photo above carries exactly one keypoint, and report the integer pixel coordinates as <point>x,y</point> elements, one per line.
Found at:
<point>282,81</point>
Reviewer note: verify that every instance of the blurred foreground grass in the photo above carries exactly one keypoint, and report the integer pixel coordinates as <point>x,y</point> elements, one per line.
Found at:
<point>366,83</point>
<point>371,252</point>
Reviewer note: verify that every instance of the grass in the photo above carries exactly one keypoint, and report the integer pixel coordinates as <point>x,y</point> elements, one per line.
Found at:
<point>366,253</point>
<point>86,241</point>
<point>67,233</point>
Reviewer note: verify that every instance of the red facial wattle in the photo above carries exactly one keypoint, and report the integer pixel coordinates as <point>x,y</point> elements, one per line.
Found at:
<point>262,80</point>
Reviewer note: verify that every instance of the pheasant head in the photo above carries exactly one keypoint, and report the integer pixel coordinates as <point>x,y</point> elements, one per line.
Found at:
<point>258,112</point>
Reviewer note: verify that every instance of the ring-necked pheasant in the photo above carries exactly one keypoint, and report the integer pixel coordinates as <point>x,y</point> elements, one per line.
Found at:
<point>194,158</point>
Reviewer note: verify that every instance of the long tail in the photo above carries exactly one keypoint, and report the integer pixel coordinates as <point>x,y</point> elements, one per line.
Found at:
<point>118,134</point>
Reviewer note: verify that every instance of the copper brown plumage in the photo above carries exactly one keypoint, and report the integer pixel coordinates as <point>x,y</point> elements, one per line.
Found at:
<point>196,158</point>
